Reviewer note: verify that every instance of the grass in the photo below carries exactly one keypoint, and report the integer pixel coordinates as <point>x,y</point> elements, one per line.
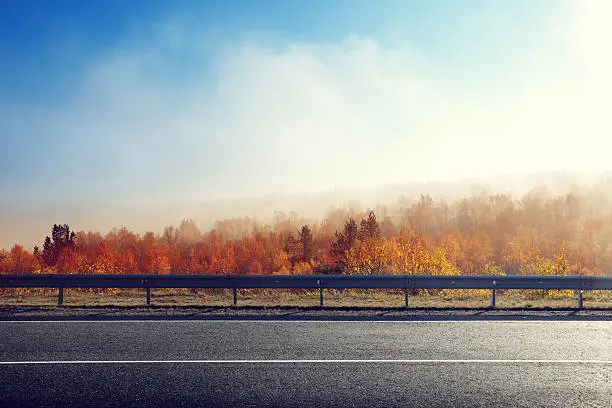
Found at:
<point>306,298</point>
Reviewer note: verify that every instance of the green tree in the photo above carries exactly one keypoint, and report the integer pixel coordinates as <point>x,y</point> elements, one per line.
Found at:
<point>306,243</point>
<point>61,238</point>
<point>369,228</point>
<point>344,241</point>
<point>300,248</point>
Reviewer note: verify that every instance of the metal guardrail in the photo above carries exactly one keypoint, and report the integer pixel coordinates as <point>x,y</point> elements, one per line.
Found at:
<point>405,282</point>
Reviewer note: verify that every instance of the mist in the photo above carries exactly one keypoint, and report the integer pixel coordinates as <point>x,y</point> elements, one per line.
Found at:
<point>170,124</point>
<point>28,225</point>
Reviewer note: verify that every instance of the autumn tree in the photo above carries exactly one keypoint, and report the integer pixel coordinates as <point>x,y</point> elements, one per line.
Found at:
<point>125,244</point>
<point>522,251</point>
<point>61,238</point>
<point>19,260</point>
<point>87,243</point>
<point>70,260</point>
<point>151,256</point>
<point>187,233</point>
<point>369,257</point>
<point>4,261</point>
<point>478,252</point>
<point>170,236</point>
<point>370,254</point>
<point>105,258</point>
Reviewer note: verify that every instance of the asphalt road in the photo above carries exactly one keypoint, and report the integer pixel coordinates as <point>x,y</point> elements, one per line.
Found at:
<point>306,363</point>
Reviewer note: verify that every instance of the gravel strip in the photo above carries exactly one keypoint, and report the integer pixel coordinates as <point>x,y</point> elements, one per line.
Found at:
<point>293,313</point>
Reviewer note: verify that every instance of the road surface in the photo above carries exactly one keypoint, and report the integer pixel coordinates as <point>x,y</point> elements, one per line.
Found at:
<point>306,363</point>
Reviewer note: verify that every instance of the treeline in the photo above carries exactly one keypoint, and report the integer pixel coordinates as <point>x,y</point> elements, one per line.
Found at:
<point>483,234</point>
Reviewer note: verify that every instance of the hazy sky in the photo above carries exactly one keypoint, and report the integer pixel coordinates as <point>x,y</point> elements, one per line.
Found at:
<point>134,101</point>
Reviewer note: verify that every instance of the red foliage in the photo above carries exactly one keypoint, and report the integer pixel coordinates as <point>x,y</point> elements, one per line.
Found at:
<point>474,235</point>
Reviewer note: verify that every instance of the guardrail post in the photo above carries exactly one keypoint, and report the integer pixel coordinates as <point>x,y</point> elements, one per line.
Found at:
<point>579,298</point>
<point>235,296</point>
<point>320,293</point>
<point>60,296</point>
<point>406,298</point>
<point>148,296</point>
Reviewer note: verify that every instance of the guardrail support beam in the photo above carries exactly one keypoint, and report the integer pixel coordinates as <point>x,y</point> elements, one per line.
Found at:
<point>234,282</point>
<point>321,297</point>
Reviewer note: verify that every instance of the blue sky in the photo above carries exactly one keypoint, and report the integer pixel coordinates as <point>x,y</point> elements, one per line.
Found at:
<point>170,101</point>
<point>67,37</point>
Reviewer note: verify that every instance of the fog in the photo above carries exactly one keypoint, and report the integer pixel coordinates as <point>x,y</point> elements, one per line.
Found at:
<point>265,123</point>
<point>28,225</point>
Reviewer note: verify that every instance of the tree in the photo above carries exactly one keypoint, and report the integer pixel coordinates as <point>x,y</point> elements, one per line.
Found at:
<point>478,252</point>
<point>152,257</point>
<point>522,251</point>
<point>305,241</point>
<point>20,261</point>
<point>61,238</point>
<point>345,240</point>
<point>188,233</point>
<point>368,257</point>
<point>387,228</point>
<point>369,228</point>
<point>4,261</point>
<point>291,245</point>
<point>300,248</point>
<point>170,236</point>
<point>70,261</point>
<point>105,258</point>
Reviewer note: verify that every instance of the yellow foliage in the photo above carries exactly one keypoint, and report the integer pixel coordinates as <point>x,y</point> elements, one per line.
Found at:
<point>404,254</point>
<point>302,268</point>
<point>283,270</point>
<point>491,268</point>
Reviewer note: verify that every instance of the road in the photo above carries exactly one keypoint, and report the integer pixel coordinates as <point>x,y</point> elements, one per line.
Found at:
<point>306,363</point>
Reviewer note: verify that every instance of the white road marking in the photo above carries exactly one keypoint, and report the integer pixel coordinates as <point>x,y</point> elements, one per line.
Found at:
<point>342,361</point>
<point>467,320</point>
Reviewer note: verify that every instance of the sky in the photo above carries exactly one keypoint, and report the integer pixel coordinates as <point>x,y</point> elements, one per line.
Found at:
<point>140,102</point>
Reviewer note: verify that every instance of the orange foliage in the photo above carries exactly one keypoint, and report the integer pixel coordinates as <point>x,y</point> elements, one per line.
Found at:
<point>18,260</point>
<point>70,261</point>
<point>537,234</point>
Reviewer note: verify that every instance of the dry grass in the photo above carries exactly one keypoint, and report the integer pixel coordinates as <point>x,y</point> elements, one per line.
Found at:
<point>308,298</point>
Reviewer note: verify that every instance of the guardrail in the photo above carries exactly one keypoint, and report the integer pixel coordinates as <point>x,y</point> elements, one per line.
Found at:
<point>405,282</point>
